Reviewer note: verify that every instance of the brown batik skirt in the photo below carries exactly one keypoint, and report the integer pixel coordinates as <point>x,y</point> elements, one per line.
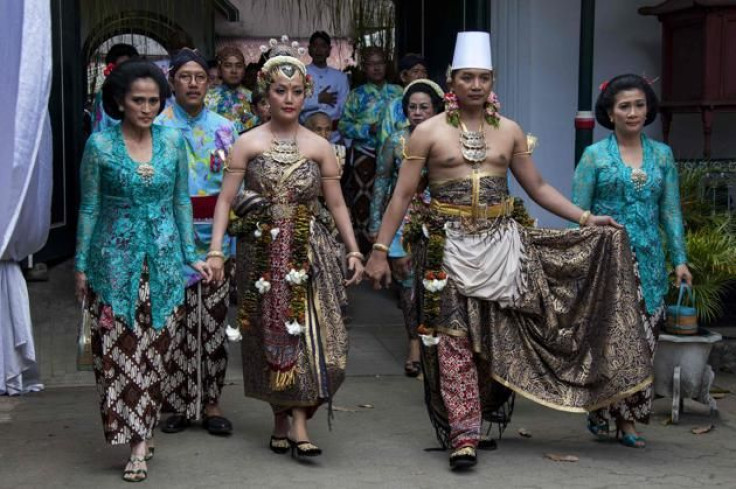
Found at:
<point>129,365</point>
<point>360,193</point>
<point>196,372</point>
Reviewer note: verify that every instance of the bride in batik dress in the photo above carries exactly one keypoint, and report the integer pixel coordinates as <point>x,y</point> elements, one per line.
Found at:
<point>290,281</point>
<point>554,315</point>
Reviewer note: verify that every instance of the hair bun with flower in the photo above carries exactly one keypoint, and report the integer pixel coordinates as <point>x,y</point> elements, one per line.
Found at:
<point>109,68</point>
<point>283,58</point>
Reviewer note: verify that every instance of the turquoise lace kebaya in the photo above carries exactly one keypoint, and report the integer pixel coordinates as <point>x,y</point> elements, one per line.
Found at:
<point>125,218</point>
<point>603,185</point>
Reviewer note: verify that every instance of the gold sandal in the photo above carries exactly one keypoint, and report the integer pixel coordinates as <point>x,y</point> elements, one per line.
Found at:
<point>135,473</point>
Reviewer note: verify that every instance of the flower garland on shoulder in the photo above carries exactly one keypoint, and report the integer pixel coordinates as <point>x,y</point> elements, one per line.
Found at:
<point>492,109</point>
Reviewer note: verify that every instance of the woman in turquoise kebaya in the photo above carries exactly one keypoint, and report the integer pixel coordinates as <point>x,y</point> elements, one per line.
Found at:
<point>633,179</point>
<point>135,233</point>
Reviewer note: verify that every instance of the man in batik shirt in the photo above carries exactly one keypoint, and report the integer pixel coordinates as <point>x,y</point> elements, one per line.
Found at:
<point>411,67</point>
<point>199,354</point>
<point>359,122</point>
<point>231,99</point>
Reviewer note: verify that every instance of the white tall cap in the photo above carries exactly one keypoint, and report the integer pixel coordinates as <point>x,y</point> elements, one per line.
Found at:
<point>472,50</point>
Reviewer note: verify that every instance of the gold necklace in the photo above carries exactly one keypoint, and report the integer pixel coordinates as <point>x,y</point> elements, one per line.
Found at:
<point>285,151</point>
<point>473,144</point>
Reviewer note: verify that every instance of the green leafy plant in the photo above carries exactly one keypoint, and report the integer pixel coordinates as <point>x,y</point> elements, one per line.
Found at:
<point>710,243</point>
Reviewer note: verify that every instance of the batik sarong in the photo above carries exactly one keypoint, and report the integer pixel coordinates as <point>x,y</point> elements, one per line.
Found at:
<point>361,176</point>
<point>300,368</point>
<point>129,366</point>
<point>196,370</point>
<point>567,329</point>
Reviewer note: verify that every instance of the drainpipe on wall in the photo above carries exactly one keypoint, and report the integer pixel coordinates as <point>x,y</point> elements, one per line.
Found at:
<point>584,119</point>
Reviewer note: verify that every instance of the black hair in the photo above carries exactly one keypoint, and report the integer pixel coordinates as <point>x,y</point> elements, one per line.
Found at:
<point>118,50</point>
<point>118,83</point>
<point>607,98</point>
<point>410,60</point>
<point>320,35</point>
<point>211,63</point>
<point>256,97</point>
<point>437,101</point>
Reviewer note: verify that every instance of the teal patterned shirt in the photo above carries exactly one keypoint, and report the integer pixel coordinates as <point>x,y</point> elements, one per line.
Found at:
<point>125,219</point>
<point>233,104</point>
<point>205,134</point>
<point>393,120</point>
<point>363,108</point>
<point>603,185</point>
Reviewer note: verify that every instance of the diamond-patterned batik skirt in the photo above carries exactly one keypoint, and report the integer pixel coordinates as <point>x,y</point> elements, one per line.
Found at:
<point>196,372</point>
<point>129,366</point>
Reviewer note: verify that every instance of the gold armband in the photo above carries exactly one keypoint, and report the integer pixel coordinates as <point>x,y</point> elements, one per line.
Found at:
<point>406,156</point>
<point>226,166</point>
<point>531,144</point>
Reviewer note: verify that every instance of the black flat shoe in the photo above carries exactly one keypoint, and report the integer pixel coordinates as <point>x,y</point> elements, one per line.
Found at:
<point>279,444</point>
<point>217,425</point>
<point>463,458</point>
<point>304,448</point>
<point>412,369</point>
<point>175,424</point>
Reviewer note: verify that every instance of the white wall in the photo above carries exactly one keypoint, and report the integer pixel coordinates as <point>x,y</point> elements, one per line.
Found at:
<point>536,61</point>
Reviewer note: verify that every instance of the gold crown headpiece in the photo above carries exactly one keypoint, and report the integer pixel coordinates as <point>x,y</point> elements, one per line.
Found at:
<point>283,57</point>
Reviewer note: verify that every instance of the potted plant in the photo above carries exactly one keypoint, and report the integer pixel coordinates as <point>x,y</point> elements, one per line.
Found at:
<point>710,235</point>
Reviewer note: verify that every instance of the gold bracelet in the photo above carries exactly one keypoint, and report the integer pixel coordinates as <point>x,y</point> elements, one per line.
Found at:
<point>356,254</point>
<point>380,247</point>
<point>584,218</point>
<point>216,254</point>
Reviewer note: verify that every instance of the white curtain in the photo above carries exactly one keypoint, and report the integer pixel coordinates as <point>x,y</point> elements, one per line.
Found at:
<point>25,178</point>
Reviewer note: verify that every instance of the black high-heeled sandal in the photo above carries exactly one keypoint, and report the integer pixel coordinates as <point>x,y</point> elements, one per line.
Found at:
<point>463,458</point>
<point>304,448</point>
<point>279,444</point>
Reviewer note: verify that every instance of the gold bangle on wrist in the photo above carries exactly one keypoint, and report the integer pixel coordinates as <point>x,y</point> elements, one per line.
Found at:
<point>216,254</point>
<point>356,254</point>
<point>584,218</point>
<point>380,247</point>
